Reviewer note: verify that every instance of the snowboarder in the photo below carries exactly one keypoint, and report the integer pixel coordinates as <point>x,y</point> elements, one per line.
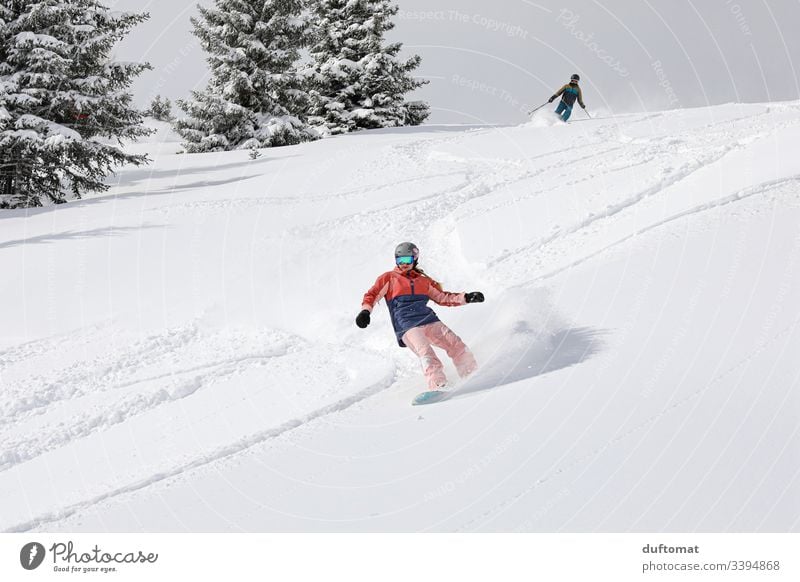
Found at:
<point>569,93</point>
<point>407,290</point>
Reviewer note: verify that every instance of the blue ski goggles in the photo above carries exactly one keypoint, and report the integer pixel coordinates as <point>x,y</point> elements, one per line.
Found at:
<point>404,260</point>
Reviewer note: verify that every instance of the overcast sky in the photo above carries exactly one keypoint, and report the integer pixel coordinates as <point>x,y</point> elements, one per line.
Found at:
<point>491,61</point>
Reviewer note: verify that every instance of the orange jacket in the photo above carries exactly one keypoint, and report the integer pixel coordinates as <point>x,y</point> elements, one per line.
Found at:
<point>407,294</point>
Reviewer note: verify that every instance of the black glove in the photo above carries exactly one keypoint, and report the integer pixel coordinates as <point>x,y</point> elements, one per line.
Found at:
<point>551,99</point>
<point>583,106</point>
<point>362,319</point>
<point>474,297</point>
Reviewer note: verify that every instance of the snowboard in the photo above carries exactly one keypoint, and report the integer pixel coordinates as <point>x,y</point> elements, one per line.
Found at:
<point>430,397</point>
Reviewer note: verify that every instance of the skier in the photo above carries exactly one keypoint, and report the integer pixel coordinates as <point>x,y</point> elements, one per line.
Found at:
<point>407,289</point>
<point>569,93</point>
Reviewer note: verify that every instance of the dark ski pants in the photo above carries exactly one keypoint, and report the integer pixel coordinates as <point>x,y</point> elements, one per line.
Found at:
<point>564,110</point>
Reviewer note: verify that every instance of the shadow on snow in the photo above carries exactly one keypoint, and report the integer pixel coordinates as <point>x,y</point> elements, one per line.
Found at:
<point>527,354</point>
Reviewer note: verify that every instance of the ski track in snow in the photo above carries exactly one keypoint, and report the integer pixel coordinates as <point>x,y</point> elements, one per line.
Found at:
<point>784,186</point>
<point>484,177</point>
<point>121,384</point>
<point>217,455</point>
<point>41,347</point>
<point>521,255</point>
<point>301,199</point>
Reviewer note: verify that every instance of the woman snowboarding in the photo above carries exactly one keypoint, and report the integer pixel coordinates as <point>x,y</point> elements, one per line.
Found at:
<point>407,290</point>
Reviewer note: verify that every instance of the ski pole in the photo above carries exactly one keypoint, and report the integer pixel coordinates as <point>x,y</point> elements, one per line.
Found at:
<point>587,113</point>
<point>538,108</point>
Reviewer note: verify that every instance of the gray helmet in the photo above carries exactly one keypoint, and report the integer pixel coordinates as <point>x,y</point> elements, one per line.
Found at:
<point>406,249</point>
<point>575,77</point>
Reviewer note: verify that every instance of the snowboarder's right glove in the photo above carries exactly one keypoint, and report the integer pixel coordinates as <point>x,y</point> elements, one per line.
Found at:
<point>362,320</point>
<point>474,297</point>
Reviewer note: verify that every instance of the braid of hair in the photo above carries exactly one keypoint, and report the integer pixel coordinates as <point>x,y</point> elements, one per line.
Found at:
<point>434,282</point>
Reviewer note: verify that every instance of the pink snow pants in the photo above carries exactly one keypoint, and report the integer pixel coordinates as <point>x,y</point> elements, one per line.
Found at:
<point>421,341</point>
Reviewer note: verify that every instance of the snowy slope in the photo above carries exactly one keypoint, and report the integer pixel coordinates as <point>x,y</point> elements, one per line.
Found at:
<point>180,354</point>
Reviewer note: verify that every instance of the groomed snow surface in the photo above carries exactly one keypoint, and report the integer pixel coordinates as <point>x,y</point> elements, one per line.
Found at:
<point>180,353</point>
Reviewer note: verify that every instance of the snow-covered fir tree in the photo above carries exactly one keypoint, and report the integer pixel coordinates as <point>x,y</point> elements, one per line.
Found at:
<point>255,96</point>
<point>160,109</point>
<point>64,105</point>
<point>358,82</point>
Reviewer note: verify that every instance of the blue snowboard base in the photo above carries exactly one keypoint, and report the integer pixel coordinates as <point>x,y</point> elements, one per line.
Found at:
<point>429,397</point>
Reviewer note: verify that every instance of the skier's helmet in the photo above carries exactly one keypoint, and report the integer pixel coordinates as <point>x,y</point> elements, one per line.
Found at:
<point>575,77</point>
<point>406,249</point>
